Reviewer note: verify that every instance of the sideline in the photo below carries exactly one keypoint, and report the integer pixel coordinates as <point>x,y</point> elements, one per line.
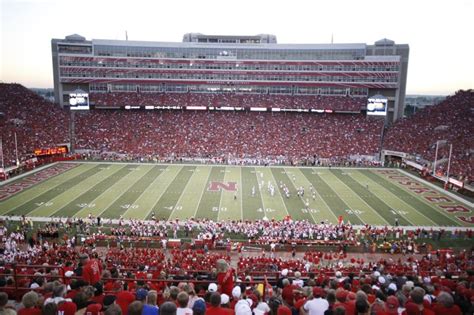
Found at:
<point>106,221</point>
<point>8,181</point>
<point>450,194</point>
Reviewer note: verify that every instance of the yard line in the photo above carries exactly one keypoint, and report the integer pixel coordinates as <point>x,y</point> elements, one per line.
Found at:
<point>241,197</point>
<point>277,190</point>
<point>312,202</point>
<point>126,213</point>
<point>415,198</point>
<point>228,201</point>
<point>335,190</point>
<point>173,168</point>
<point>31,193</point>
<point>130,181</point>
<point>360,198</point>
<point>63,199</point>
<point>301,197</point>
<point>264,208</point>
<point>54,192</point>
<point>182,193</point>
<point>203,191</point>
<point>394,196</point>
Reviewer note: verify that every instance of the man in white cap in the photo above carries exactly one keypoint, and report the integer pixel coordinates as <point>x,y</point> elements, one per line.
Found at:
<point>212,287</point>
<point>283,275</point>
<point>242,307</point>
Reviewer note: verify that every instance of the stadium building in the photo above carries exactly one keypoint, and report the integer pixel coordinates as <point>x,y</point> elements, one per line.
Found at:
<point>231,65</point>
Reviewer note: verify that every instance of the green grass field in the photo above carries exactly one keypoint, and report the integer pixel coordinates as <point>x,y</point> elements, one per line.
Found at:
<point>111,190</point>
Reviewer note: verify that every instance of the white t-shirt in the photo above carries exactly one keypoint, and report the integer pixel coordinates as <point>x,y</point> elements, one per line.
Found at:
<point>184,311</point>
<point>298,282</point>
<point>316,306</point>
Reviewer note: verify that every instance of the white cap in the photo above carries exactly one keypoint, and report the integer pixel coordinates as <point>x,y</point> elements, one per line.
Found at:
<point>69,273</point>
<point>284,272</point>
<point>376,288</point>
<point>338,274</point>
<point>236,292</point>
<point>410,284</point>
<point>381,280</point>
<point>392,286</point>
<point>224,298</point>
<point>212,287</point>
<point>34,286</point>
<point>376,274</point>
<point>427,280</point>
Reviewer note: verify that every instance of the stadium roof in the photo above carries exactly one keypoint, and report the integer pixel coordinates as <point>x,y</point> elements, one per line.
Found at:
<point>110,42</point>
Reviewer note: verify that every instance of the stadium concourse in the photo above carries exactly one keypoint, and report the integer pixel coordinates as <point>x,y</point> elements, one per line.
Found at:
<point>71,276</point>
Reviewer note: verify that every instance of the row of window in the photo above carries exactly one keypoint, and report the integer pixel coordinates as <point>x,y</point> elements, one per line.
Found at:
<point>162,88</point>
<point>230,77</point>
<point>238,53</point>
<point>65,61</point>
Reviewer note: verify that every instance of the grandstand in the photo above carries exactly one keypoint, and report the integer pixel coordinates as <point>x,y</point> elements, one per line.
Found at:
<point>231,71</point>
<point>233,175</point>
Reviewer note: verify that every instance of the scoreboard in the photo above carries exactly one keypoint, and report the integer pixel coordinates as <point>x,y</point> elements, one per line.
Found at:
<point>79,100</point>
<point>377,106</point>
<point>51,151</point>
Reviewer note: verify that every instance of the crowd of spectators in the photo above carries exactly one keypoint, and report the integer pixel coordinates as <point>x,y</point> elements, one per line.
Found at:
<point>85,279</point>
<point>228,135</point>
<point>235,136</point>
<point>451,120</point>
<point>36,122</point>
<point>329,102</point>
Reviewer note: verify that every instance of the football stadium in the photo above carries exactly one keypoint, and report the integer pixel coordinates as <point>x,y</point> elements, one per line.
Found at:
<point>227,174</point>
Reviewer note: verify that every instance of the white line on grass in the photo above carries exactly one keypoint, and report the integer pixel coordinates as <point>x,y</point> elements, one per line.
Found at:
<point>433,207</point>
<point>181,195</point>
<point>343,200</point>
<point>162,192</point>
<point>204,189</point>
<point>373,210</point>
<point>139,196</point>
<point>399,198</point>
<point>320,196</point>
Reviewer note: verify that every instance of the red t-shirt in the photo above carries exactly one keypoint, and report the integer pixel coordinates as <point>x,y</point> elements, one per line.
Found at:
<point>441,310</point>
<point>29,311</point>
<point>219,311</point>
<point>67,308</point>
<point>91,272</point>
<point>226,281</point>
<point>287,293</point>
<point>124,298</point>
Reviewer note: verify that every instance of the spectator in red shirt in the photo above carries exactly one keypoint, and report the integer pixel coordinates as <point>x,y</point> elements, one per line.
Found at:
<point>225,277</point>
<point>215,308</point>
<point>288,293</point>
<point>30,303</point>
<point>415,306</point>
<point>445,305</point>
<point>92,269</point>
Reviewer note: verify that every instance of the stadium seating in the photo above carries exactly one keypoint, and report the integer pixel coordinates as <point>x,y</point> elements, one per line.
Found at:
<point>451,120</point>
<point>36,122</point>
<point>436,281</point>
<point>223,134</point>
<point>337,103</point>
<point>226,135</point>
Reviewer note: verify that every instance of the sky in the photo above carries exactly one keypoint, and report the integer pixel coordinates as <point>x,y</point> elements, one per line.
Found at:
<point>440,33</point>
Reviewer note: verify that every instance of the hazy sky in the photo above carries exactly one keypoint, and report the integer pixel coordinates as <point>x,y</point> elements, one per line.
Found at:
<point>440,33</point>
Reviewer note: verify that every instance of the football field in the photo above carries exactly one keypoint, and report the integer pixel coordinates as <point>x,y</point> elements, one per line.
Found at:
<point>172,191</point>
